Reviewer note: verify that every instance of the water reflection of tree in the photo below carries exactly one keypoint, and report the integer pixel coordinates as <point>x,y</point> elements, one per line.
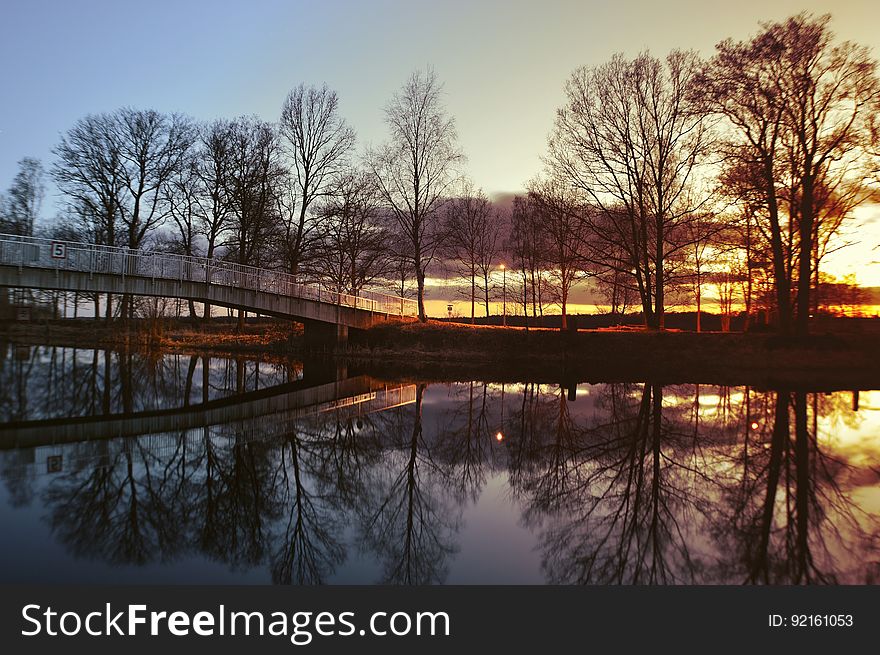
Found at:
<point>321,466</point>
<point>49,381</point>
<point>646,484</point>
<point>465,436</point>
<point>616,500</point>
<point>406,519</point>
<point>678,486</point>
<point>786,518</point>
<point>240,502</point>
<point>118,510</point>
<point>234,496</point>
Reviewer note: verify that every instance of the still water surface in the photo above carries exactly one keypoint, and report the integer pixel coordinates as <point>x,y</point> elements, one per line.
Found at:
<point>127,468</point>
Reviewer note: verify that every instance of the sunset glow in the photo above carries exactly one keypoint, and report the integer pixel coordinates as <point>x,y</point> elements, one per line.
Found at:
<point>272,270</point>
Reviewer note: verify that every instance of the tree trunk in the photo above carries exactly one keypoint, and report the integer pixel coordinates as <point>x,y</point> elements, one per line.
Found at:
<point>420,280</point>
<point>659,280</point>
<point>564,308</point>
<point>805,256</point>
<point>803,479</point>
<point>473,295</point>
<point>782,283</point>
<point>486,292</point>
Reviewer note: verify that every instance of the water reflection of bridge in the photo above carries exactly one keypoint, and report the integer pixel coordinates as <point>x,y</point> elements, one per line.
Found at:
<point>262,414</point>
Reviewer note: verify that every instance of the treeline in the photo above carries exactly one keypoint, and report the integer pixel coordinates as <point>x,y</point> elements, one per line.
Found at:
<point>663,177</point>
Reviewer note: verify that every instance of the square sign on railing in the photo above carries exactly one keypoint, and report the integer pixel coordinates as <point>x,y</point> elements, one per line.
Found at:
<point>58,250</point>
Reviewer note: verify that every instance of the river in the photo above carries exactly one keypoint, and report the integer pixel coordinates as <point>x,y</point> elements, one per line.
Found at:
<point>194,469</point>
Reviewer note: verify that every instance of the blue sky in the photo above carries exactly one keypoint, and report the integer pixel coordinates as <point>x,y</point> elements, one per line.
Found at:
<point>503,63</point>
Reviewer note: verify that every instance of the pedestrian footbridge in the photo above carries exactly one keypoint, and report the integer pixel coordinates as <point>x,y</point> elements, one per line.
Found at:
<point>37,263</point>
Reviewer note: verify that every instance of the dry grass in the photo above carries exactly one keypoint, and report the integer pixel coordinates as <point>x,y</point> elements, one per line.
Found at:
<point>180,335</point>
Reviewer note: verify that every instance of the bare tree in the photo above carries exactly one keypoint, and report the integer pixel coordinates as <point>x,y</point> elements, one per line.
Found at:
<point>631,136</point>
<point>88,172</point>
<point>527,245</point>
<point>214,172</point>
<point>115,167</point>
<point>416,167</point>
<point>827,96</point>
<point>799,109</point>
<point>24,199</point>
<point>253,186</point>
<point>704,234</point>
<point>319,143</point>
<point>152,148</point>
<point>473,231</point>
<point>615,286</point>
<point>183,195</point>
<point>563,218</point>
<point>351,246</point>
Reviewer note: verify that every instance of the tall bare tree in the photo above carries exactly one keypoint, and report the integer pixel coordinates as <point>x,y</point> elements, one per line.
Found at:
<point>183,196</point>
<point>152,148</point>
<point>319,143</point>
<point>254,178</point>
<point>215,159</point>
<point>88,172</point>
<point>799,111</point>
<point>828,94</point>
<point>416,168</point>
<point>214,173</point>
<point>631,136</point>
<point>527,245</point>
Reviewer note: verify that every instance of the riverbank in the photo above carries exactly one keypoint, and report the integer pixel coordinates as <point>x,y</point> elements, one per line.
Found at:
<point>458,351</point>
<point>448,351</point>
<point>220,335</point>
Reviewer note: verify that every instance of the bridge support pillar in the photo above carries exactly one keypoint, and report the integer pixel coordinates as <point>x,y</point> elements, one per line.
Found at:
<point>324,337</point>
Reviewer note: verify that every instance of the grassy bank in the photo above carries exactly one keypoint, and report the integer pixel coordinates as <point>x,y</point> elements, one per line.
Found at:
<point>220,335</point>
<point>458,351</point>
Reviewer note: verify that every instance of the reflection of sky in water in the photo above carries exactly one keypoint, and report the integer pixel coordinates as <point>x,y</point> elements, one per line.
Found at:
<point>573,492</point>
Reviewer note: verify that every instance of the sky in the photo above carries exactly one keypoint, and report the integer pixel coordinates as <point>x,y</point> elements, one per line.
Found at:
<point>503,64</point>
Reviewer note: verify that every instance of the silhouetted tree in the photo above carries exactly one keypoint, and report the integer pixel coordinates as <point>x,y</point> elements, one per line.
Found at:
<point>527,245</point>
<point>88,171</point>
<point>253,182</point>
<point>630,138</point>
<point>473,232</point>
<point>416,167</point>
<point>319,144</point>
<point>563,219</point>
<point>352,235</point>
<point>799,108</point>
<point>24,199</point>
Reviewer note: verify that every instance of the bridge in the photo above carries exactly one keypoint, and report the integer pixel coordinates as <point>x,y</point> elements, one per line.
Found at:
<point>264,414</point>
<point>37,263</point>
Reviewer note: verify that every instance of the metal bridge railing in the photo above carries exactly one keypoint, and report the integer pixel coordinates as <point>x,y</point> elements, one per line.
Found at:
<point>35,252</point>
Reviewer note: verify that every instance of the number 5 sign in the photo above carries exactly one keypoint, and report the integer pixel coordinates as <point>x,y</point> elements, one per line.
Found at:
<point>59,250</point>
